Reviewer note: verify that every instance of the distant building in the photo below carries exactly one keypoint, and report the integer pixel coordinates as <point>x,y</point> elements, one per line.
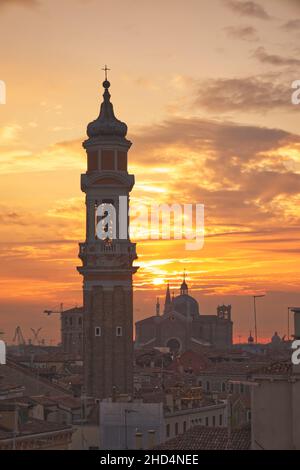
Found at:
<point>186,407</point>
<point>71,331</point>
<point>120,421</point>
<point>275,408</point>
<point>182,328</point>
<point>20,431</point>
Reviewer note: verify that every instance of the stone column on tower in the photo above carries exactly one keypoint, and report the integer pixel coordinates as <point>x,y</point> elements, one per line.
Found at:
<point>107,260</point>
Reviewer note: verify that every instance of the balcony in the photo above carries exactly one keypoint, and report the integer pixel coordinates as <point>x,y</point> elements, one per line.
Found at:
<point>101,247</point>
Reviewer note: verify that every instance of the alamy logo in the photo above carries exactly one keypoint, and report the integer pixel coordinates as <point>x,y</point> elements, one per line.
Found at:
<point>151,222</point>
<point>2,92</point>
<point>296,93</point>
<point>296,353</point>
<point>2,352</point>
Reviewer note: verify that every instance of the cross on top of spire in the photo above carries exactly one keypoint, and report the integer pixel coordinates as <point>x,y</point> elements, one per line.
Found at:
<point>105,69</point>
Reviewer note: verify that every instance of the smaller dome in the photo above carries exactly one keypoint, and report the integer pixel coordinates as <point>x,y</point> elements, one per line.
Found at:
<point>184,290</point>
<point>106,124</point>
<point>250,339</point>
<point>184,286</point>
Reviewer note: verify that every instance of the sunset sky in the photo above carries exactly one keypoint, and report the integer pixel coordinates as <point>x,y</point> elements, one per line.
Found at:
<point>205,89</point>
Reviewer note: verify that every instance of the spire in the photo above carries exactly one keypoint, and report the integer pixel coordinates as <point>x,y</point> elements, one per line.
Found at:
<point>157,307</point>
<point>167,299</point>
<point>106,125</point>
<point>184,290</point>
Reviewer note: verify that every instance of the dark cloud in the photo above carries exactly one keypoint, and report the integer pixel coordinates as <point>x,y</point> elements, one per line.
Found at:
<point>245,33</point>
<point>274,59</point>
<point>247,8</point>
<point>292,25</point>
<point>25,3</point>
<point>269,240</point>
<point>203,134</point>
<point>8,217</point>
<point>294,2</point>
<point>233,175</point>
<point>256,94</point>
<point>39,242</point>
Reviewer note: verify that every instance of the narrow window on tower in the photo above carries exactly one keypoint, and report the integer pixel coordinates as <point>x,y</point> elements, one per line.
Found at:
<point>98,331</point>
<point>119,331</point>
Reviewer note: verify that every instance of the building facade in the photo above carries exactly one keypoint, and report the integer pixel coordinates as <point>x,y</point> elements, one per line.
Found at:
<point>107,256</point>
<point>71,331</point>
<point>182,328</point>
<point>275,408</point>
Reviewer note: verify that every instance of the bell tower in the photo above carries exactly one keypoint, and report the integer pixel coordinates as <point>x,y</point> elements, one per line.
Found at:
<point>107,256</point>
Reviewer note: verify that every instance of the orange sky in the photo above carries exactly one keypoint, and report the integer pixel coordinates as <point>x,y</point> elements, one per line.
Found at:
<point>205,88</point>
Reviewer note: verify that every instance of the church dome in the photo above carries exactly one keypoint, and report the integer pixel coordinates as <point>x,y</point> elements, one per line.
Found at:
<point>106,124</point>
<point>186,305</point>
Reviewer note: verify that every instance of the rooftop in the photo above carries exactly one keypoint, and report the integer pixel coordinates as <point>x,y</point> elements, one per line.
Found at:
<point>34,426</point>
<point>205,438</point>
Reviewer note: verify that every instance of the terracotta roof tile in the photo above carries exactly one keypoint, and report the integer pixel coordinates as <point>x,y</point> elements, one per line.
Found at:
<point>205,438</point>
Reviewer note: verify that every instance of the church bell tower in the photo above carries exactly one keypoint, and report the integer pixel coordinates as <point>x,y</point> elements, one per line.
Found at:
<point>107,256</point>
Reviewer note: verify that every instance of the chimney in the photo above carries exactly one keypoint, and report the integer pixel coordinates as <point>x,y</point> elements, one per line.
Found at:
<point>138,441</point>
<point>296,312</point>
<point>151,439</point>
<point>114,394</point>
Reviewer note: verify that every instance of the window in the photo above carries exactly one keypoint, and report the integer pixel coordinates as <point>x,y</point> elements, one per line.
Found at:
<point>184,426</point>
<point>168,430</point>
<point>108,160</point>
<point>207,386</point>
<point>119,331</point>
<point>92,161</point>
<point>214,421</point>
<point>242,388</point>
<point>176,429</point>
<point>221,420</point>
<point>248,416</point>
<point>71,321</point>
<point>206,421</point>
<point>79,321</point>
<point>122,161</point>
<point>223,387</point>
<point>97,331</point>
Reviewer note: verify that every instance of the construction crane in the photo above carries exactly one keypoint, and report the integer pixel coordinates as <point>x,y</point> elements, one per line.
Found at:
<point>61,309</point>
<point>19,337</point>
<point>36,335</point>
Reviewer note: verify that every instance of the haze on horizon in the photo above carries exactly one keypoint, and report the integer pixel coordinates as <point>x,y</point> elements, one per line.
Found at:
<point>205,90</point>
